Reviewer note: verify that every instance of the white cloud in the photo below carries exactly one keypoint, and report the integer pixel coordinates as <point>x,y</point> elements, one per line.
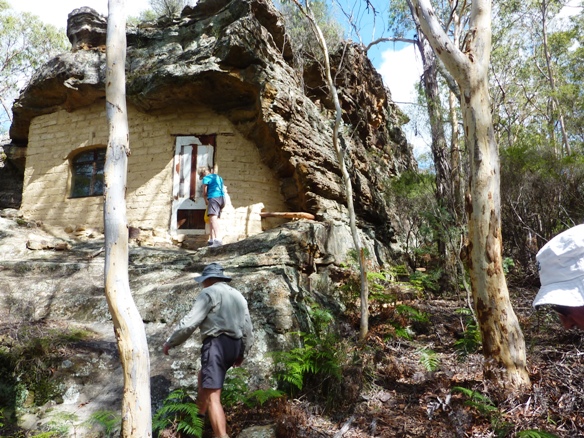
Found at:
<point>401,70</point>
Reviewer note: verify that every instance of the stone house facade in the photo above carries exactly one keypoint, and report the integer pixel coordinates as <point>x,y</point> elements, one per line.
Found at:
<point>163,186</point>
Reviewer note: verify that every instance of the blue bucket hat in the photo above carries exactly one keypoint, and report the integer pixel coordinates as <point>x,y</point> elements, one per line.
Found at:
<point>213,270</point>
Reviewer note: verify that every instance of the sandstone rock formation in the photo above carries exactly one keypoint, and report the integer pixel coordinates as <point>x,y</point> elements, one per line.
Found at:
<point>281,273</point>
<point>235,57</point>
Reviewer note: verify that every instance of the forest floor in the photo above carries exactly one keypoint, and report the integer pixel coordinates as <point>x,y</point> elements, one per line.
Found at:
<point>410,388</point>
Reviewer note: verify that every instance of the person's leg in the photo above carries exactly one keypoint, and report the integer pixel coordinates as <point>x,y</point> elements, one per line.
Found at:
<point>217,356</point>
<point>202,402</point>
<point>215,411</point>
<point>214,227</point>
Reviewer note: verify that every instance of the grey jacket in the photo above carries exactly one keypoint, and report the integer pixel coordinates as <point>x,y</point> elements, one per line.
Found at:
<point>219,309</point>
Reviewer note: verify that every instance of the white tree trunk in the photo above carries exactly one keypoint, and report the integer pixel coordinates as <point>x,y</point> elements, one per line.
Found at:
<point>128,326</point>
<point>503,343</point>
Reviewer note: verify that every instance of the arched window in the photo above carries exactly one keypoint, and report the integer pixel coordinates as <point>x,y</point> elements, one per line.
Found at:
<point>87,170</point>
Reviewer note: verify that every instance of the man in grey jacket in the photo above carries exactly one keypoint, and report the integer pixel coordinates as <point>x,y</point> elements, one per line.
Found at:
<point>222,316</point>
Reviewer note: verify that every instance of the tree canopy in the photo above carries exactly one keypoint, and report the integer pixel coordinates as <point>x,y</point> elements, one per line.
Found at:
<point>26,43</point>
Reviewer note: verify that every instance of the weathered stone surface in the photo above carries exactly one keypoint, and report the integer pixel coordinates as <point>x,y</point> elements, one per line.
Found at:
<point>268,431</point>
<point>281,272</point>
<point>234,57</point>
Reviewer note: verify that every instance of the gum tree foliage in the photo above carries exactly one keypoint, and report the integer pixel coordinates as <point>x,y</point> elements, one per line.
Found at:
<point>307,47</point>
<point>541,183</point>
<point>532,46</point>
<point>439,95</point>
<point>128,325</point>
<point>26,43</point>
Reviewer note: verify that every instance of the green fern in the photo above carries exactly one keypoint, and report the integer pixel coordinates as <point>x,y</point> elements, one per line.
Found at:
<point>318,355</point>
<point>178,412</point>
<point>261,396</point>
<point>471,340</point>
<point>412,313</point>
<point>403,332</point>
<point>480,402</point>
<point>533,433</point>
<point>429,359</point>
<point>110,421</point>
<point>235,387</point>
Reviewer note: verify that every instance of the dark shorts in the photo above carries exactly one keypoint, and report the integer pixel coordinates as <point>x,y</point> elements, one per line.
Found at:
<point>215,206</point>
<point>217,356</point>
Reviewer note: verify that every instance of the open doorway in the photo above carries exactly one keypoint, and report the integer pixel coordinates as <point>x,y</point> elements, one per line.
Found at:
<point>192,153</point>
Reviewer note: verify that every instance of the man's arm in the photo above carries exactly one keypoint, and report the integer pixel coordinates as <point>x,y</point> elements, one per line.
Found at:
<point>189,323</point>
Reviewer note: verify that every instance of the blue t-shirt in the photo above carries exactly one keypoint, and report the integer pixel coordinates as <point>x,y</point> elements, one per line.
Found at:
<point>214,185</point>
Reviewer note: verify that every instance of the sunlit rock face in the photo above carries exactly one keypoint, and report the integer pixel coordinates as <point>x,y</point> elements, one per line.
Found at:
<point>235,57</point>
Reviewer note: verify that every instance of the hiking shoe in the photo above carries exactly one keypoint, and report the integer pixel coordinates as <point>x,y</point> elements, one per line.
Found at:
<point>216,243</point>
<point>210,242</point>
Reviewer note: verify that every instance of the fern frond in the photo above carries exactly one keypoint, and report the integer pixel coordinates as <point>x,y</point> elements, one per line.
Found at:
<point>533,433</point>
<point>429,359</point>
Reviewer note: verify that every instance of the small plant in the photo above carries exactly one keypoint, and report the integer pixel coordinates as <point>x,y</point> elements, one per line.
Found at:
<point>235,387</point>
<point>236,390</point>
<point>476,400</point>
<point>60,424</point>
<point>261,396</point>
<point>429,359</point>
<point>111,422</point>
<point>508,263</point>
<point>471,340</point>
<point>178,412</point>
<point>485,406</point>
<point>533,433</point>
<point>317,357</point>
<point>426,281</point>
<point>412,313</point>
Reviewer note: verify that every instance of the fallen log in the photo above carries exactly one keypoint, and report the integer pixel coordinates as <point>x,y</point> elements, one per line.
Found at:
<point>288,215</point>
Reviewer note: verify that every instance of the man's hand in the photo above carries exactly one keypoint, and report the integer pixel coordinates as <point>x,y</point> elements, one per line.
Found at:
<point>165,348</point>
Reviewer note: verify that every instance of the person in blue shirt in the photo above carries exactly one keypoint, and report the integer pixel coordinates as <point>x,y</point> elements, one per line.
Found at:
<point>214,195</point>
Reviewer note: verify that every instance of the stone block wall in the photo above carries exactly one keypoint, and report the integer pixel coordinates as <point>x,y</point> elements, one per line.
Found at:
<point>54,138</point>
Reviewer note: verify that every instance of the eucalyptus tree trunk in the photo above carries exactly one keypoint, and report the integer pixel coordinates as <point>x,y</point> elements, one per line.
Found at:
<point>503,342</point>
<point>445,195</point>
<point>555,109</point>
<point>364,322</point>
<point>455,152</point>
<point>128,326</point>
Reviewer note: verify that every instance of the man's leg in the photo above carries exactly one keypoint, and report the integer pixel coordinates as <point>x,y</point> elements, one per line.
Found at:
<point>202,402</point>
<point>210,401</point>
